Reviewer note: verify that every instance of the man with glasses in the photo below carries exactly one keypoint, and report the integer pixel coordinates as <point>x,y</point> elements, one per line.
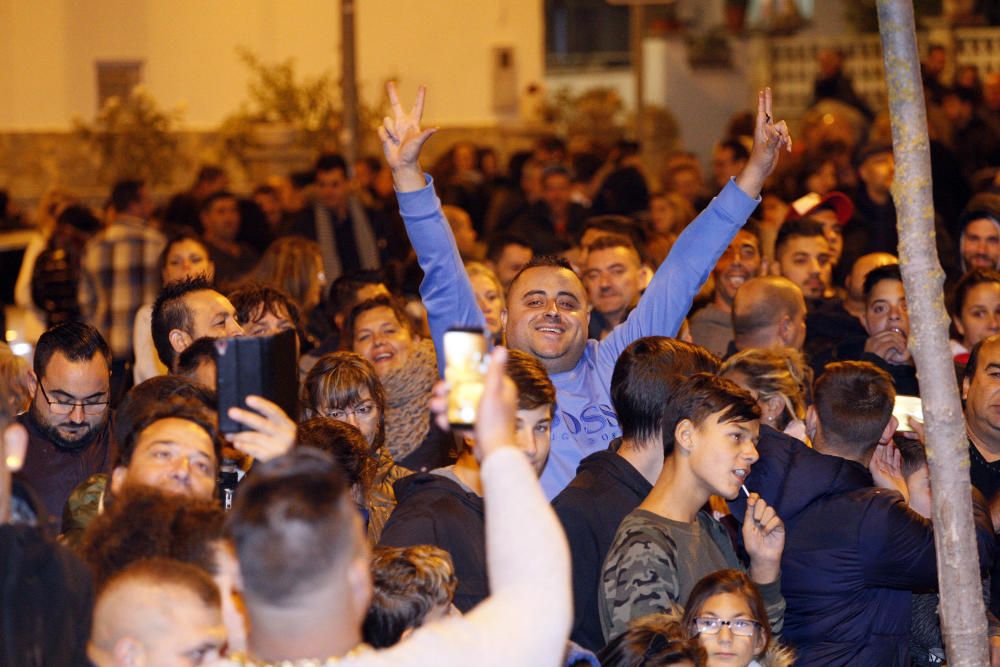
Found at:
<point>69,420</point>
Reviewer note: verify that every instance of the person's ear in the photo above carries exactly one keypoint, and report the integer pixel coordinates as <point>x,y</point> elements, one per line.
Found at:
<point>889,430</point>
<point>684,435</point>
<point>359,582</point>
<point>966,382</point>
<point>32,384</point>
<point>812,422</point>
<point>15,446</point>
<point>645,276</point>
<point>503,319</point>
<point>179,339</point>
<point>786,330</point>
<point>773,407</point>
<point>406,633</point>
<point>128,652</point>
<point>958,326</point>
<point>118,476</point>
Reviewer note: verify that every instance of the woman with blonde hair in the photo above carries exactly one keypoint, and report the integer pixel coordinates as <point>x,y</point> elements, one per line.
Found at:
<point>490,297</point>
<point>295,265</point>
<point>780,380</point>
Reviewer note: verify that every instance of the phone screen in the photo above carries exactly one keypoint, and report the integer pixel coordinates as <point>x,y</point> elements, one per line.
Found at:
<point>263,366</point>
<point>465,371</point>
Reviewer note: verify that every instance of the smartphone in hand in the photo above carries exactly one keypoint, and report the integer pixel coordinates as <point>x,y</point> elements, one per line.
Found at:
<point>465,352</point>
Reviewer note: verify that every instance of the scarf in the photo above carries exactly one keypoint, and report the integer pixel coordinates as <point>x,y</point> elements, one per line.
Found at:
<point>407,392</point>
<point>363,237</point>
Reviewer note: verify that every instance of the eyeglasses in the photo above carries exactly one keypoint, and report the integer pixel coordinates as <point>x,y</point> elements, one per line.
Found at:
<point>362,411</point>
<point>64,408</point>
<point>742,627</point>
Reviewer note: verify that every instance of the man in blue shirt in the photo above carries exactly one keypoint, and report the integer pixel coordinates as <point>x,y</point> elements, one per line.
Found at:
<point>547,307</point>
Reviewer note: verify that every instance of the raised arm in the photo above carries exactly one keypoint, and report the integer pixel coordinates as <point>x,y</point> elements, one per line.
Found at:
<point>445,290</point>
<point>526,618</point>
<point>678,279</point>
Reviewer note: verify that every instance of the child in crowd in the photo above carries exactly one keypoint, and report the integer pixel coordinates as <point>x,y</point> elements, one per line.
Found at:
<point>725,613</point>
<point>411,586</point>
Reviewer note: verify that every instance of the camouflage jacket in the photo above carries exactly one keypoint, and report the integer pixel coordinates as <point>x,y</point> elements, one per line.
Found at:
<point>655,562</point>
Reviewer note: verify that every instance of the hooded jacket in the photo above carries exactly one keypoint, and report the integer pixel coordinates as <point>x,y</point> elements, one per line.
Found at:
<point>433,509</point>
<point>605,489</point>
<point>853,554</point>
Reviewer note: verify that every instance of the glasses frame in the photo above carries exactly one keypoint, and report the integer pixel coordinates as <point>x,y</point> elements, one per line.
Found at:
<point>352,412</point>
<point>753,624</point>
<point>74,404</point>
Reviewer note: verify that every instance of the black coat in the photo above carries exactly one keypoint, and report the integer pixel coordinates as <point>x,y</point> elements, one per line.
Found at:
<point>591,507</point>
<point>433,509</point>
<point>853,554</point>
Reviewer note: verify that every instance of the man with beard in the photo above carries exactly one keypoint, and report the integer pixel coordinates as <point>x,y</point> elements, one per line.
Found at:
<point>712,326</point>
<point>979,243</point>
<point>68,424</point>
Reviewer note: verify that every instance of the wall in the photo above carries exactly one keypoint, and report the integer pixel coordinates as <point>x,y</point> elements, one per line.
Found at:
<point>48,49</point>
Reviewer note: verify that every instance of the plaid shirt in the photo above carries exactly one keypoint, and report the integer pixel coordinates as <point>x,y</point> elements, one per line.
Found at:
<point>118,275</point>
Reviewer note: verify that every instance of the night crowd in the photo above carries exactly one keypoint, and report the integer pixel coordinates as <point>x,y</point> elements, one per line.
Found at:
<point>688,449</point>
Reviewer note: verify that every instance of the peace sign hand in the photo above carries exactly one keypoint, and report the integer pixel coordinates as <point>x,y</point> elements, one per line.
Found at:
<point>402,139</point>
<point>769,138</point>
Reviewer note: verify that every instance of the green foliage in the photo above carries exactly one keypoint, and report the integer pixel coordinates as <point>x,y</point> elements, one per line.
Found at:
<point>133,138</point>
<point>596,112</point>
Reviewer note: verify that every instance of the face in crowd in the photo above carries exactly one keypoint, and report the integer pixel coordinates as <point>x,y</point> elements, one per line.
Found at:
<point>614,278</point>
<point>739,263</point>
<point>382,339</point>
<point>547,316</point>
<point>807,262</point>
<point>70,405</point>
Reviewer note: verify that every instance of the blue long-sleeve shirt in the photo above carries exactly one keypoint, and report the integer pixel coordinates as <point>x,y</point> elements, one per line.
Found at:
<point>584,420</point>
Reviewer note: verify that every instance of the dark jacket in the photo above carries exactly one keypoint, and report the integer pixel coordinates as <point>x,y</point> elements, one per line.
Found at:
<point>904,377</point>
<point>433,509</point>
<point>46,597</point>
<point>853,554</point>
<point>590,508</point>
<point>827,325</point>
<point>53,471</point>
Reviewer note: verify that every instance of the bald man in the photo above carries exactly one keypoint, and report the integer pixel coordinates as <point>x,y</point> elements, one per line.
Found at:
<point>157,612</point>
<point>769,311</point>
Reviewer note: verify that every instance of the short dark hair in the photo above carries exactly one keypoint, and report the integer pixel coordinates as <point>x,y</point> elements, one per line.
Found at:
<point>344,291</point>
<point>499,241</point>
<point>654,639</point>
<point>407,584</point>
<point>330,162</point>
<point>728,581</point>
<point>148,414</point>
<point>875,276</point>
<point>165,571</point>
<point>610,240</point>
<point>740,151</point>
<point>292,521</point>
<point>76,340</point>
<point>970,367</point>
<point>381,301</point>
<point>344,443</point>
<point>265,189</point>
<point>169,313</point>
<point>143,523</point>
<point>854,401</point>
<point>549,261</point>
<point>154,391</point>
<point>209,201</point>
<point>647,373</point>
<point>701,396</point>
<point>254,300</point>
<point>622,225</point>
<point>335,381</point>
<point>195,355</point>
<point>912,453</point>
<point>972,278</point>
<point>125,193</point>
<point>534,388</point>
<point>791,229</point>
